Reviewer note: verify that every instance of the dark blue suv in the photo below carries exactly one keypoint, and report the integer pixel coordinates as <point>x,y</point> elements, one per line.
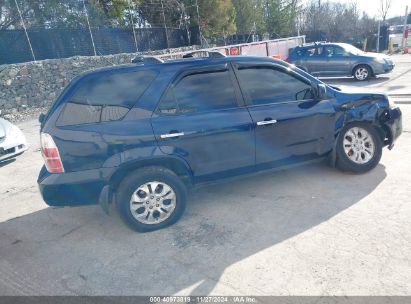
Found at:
<point>140,135</point>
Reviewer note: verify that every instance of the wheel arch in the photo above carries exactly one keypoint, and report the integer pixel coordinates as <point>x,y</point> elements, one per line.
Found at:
<point>362,64</point>
<point>372,123</point>
<point>382,132</point>
<point>178,166</point>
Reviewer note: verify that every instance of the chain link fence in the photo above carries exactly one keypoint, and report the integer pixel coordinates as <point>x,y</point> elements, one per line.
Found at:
<point>63,43</point>
<point>50,29</point>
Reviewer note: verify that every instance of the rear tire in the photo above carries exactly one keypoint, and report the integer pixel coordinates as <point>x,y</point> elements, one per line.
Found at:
<point>151,198</point>
<point>359,148</point>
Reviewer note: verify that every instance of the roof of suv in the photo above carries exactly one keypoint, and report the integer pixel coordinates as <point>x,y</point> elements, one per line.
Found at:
<point>186,62</point>
<point>170,66</point>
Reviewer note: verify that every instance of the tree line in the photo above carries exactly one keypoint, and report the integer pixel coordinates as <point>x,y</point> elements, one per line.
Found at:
<point>318,20</point>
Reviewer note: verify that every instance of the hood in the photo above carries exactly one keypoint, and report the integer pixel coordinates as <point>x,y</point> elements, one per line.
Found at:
<point>376,55</point>
<point>356,99</point>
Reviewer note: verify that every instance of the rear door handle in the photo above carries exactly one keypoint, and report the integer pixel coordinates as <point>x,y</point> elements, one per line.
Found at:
<point>171,135</point>
<point>266,122</point>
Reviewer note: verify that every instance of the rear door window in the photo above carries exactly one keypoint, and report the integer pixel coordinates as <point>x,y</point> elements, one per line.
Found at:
<point>105,97</point>
<point>199,92</point>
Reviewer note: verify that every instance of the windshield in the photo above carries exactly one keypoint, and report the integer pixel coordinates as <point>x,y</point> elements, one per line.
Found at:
<point>352,49</point>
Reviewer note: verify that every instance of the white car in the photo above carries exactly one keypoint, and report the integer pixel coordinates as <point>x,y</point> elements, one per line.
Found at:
<point>12,140</point>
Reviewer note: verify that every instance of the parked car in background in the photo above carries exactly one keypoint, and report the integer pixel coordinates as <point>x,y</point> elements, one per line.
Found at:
<point>141,135</point>
<point>396,35</point>
<point>12,140</point>
<point>339,60</point>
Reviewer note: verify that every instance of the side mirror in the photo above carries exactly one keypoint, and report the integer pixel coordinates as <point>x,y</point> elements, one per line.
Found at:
<point>41,117</point>
<point>321,91</point>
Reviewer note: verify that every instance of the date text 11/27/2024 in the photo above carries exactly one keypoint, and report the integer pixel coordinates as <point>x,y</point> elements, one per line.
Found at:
<point>202,299</point>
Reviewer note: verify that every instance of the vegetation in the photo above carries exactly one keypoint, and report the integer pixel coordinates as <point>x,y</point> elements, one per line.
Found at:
<point>334,21</point>
<point>319,20</point>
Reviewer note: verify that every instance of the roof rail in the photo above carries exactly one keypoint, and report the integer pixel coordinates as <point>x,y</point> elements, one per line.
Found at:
<point>147,60</point>
<point>210,54</point>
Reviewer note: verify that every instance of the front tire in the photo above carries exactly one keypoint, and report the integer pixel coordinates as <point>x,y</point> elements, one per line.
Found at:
<point>359,148</point>
<point>362,73</point>
<point>151,198</point>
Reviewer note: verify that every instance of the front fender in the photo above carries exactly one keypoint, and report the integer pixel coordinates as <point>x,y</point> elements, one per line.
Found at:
<point>375,67</point>
<point>359,107</point>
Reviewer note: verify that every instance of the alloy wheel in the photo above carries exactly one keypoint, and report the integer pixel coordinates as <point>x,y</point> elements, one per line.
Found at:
<point>361,73</point>
<point>153,202</point>
<point>359,145</point>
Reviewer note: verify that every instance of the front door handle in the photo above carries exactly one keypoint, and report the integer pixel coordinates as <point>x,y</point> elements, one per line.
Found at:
<point>171,135</point>
<point>266,122</point>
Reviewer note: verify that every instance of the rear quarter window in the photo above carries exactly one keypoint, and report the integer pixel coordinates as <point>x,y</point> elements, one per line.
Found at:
<point>104,97</point>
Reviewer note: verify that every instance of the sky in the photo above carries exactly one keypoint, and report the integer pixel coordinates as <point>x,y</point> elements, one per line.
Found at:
<point>372,6</point>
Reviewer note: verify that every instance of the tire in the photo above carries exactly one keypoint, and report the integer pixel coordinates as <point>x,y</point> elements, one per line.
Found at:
<point>160,208</point>
<point>362,73</point>
<point>355,156</point>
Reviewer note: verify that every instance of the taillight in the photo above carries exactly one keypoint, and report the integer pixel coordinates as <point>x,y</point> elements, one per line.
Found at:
<point>50,154</point>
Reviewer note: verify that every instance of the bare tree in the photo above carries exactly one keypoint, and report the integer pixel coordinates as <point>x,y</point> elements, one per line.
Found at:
<point>384,8</point>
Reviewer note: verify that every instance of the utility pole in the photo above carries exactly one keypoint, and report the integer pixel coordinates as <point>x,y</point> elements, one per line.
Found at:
<point>317,17</point>
<point>186,19</point>
<point>165,24</point>
<point>25,30</point>
<point>89,28</point>
<point>132,25</point>
<point>405,26</point>
<point>378,36</point>
<point>199,26</point>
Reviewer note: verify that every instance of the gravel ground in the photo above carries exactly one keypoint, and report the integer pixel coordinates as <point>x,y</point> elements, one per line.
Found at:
<point>310,230</point>
<point>25,114</point>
